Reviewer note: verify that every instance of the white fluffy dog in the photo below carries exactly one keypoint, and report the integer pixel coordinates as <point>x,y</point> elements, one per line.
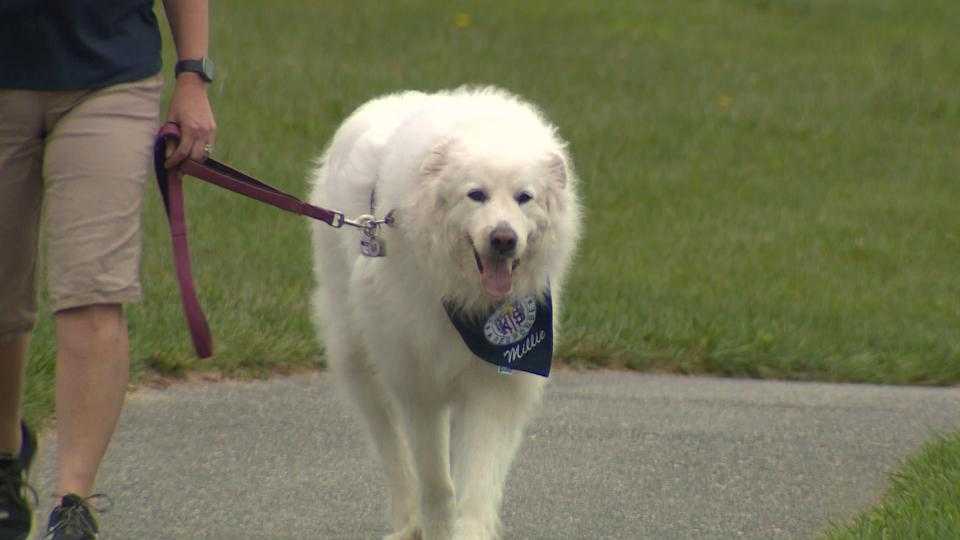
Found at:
<point>481,193</point>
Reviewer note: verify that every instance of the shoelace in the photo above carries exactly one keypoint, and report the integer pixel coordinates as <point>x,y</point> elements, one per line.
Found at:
<point>78,517</point>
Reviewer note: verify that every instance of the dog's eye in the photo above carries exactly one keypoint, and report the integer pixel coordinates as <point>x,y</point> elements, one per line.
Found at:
<point>478,195</point>
<point>523,197</point>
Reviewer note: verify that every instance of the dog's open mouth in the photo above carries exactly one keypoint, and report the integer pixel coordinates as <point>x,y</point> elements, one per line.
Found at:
<point>496,273</point>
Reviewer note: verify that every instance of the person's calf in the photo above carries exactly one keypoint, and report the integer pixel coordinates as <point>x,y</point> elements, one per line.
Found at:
<point>13,354</point>
<point>92,373</point>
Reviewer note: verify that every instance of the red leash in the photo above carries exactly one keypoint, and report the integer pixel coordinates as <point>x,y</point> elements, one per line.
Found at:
<point>171,187</point>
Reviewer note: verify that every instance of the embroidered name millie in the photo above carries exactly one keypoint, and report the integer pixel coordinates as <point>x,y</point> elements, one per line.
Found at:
<point>520,350</point>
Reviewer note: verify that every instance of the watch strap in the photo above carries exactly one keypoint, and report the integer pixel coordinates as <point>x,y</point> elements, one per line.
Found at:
<point>202,67</point>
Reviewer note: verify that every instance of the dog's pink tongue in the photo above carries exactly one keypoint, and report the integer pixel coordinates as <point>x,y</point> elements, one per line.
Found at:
<point>496,277</point>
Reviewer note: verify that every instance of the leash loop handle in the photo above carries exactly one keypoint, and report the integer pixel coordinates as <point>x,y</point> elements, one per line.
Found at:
<point>170,183</point>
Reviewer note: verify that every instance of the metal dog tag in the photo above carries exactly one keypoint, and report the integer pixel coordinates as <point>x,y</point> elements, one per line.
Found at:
<point>370,245</point>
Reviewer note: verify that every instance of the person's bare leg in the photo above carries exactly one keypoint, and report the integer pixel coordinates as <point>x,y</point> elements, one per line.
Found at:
<point>93,365</point>
<point>13,354</point>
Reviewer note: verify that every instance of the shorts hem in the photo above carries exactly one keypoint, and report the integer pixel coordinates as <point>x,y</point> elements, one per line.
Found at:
<point>9,334</point>
<point>124,296</point>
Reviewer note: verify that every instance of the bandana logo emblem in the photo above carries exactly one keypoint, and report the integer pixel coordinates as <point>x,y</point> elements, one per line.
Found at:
<point>511,322</point>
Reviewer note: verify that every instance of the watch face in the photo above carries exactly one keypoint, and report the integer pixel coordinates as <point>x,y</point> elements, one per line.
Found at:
<point>208,70</point>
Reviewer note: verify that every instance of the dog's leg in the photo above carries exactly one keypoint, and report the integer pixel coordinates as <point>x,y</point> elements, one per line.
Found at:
<point>487,432</point>
<point>368,395</point>
<point>427,423</point>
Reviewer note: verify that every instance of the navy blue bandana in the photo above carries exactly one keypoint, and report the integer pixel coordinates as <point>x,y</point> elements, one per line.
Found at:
<point>517,334</point>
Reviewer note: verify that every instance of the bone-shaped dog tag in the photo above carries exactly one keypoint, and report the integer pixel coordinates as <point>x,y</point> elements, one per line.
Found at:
<point>370,245</point>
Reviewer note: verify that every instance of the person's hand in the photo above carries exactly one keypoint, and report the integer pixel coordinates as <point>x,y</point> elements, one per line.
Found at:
<point>190,109</point>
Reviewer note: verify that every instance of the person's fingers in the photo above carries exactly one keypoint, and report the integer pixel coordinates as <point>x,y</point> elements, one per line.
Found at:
<point>171,147</point>
<point>182,151</point>
<point>198,151</point>
<point>210,133</point>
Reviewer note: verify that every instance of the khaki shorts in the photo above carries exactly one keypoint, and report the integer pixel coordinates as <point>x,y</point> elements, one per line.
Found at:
<point>84,157</point>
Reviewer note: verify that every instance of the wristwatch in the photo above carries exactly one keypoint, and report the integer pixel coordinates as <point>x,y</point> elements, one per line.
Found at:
<point>202,67</point>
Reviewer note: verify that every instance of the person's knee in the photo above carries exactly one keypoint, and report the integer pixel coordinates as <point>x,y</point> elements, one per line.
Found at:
<point>100,323</point>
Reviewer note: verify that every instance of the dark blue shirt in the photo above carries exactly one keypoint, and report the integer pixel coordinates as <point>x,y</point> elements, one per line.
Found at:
<point>77,44</point>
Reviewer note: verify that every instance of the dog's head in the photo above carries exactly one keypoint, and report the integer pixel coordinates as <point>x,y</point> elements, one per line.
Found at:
<point>502,208</point>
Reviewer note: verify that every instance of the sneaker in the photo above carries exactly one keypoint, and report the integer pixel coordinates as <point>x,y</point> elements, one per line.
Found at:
<point>16,516</point>
<point>73,519</point>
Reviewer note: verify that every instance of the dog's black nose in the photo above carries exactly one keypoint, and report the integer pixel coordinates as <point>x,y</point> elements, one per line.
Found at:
<point>503,240</point>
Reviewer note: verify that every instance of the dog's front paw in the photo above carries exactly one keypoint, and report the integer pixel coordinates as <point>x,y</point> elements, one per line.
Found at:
<point>410,532</point>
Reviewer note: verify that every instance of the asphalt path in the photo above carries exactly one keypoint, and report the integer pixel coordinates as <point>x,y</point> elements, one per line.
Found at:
<point>611,455</point>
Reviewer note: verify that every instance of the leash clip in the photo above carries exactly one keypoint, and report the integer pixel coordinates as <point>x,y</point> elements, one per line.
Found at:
<point>368,222</point>
<point>370,244</point>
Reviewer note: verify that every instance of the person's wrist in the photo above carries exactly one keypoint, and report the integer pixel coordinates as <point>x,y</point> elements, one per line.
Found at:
<point>202,67</point>
<point>191,79</point>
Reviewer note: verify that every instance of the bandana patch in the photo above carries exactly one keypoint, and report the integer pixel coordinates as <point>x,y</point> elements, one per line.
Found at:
<point>517,334</point>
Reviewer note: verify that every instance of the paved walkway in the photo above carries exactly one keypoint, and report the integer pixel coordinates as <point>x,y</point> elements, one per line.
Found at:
<point>612,455</point>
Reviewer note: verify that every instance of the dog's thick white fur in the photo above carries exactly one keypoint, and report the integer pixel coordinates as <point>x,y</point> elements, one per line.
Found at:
<point>483,194</point>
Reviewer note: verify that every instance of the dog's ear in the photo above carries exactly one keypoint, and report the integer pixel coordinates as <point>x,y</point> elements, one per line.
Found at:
<point>436,160</point>
<point>558,176</point>
<point>558,170</point>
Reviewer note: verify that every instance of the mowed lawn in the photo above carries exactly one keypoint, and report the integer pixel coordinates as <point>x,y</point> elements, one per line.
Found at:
<point>922,502</point>
<point>771,186</point>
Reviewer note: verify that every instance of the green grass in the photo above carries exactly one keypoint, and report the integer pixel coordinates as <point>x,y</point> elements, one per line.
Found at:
<point>770,185</point>
<point>923,501</point>
<point>771,188</point>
